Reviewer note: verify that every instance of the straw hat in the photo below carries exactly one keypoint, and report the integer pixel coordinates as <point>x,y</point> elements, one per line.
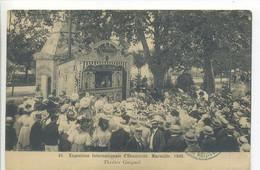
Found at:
<point>9,120</point>
<point>238,114</point>
<point>99,104</point>
<point>230,128</point>
<point>242,140</point>
<point>129,106</point>
<point>29,106</point>
<point>189,136</point>
<point>103,116</point>
<point>154,121</point>
<point>108,108</point>
<point>208,130</point>
<point>64,108</point>
<point>245,148</point>
<point>175,129</point>
<point>74,97</point>
<point>84,102</point>
<point>138,129</point>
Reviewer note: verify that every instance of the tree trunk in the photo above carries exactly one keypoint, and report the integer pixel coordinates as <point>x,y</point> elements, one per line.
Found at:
<point>209,75</point>
<point>229,80</point>
<point>12,87</point>
<point>139,72</point>
<point>26,75</point>
<point>158,79</point>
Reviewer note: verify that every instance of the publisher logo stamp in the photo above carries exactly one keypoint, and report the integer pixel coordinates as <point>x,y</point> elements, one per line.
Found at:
<point>202,155</point>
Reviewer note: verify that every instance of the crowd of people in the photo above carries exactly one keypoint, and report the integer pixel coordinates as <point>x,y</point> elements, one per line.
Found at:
<point>177,123</point>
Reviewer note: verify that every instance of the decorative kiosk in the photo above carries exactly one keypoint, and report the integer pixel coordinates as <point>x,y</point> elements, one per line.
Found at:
<point>100,69</point>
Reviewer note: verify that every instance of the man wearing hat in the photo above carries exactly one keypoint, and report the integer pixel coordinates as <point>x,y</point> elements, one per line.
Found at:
<point>228,143</point>
<point>10,134</point>
<point>119,138</point>
<point>208,144</point>
<point>135,144</point>
<point>176,142</point>
<point>191,141</point>
<point>157,139</point>
<point>36,138</point>
<point>51,135</point>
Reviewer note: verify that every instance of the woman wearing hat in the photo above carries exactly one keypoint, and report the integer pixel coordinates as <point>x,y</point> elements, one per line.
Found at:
<point>84,107</point>
<point>23,143</point>
<point>102,135</point>
<point>80,138</point>
<point>66,126</point>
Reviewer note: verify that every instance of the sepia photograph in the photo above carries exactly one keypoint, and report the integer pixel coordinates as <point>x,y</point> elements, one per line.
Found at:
<point>128,80</point>
<point>121,88</point>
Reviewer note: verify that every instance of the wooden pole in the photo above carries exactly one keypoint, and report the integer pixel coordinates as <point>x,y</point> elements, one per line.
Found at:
<point>69,40</point>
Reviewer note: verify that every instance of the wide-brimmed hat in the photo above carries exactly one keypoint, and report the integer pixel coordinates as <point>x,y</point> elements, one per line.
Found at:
<point>74,97</point>
<point>71,113</point>
<point>84,102</point>
<point>129,107</point>
<point>103,116</point>
<point>154,121</point>
<point>175,129</point>
<point>223,121</point>
<point>29,106</point>
<point>244,122</point>
<point>235,105</point>
<point>9,120</point>
<point>108,108</point>
<point>230,128</point>
<point>245,148</point>
<point>138,129</point>
<point>117,104</point>
<point>242,140</point>
<point>99,104</point>
<point>189,136</point>
<point>207,130</point>
<point>238,114</point>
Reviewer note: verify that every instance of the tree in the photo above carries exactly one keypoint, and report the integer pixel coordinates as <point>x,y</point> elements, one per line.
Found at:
<point>28,31</point>
<point>12,71</point>
<point>139,61</point>
<point>217,35</point>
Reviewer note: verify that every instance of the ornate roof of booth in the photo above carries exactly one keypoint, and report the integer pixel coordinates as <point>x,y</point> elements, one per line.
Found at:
<point>105,50</point>
<point>56,47</point>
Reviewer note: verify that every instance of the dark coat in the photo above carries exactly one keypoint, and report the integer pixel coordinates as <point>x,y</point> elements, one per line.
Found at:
<point>11,138</point>
<point>176,144</point>
<point>51,134</point>
<point>36,136</point>
<point>119,140</point>
<point>167,135</point>
<point>208,144</point>
<point>158,141</point>
<point>133,146</point>
<point>228,144</point>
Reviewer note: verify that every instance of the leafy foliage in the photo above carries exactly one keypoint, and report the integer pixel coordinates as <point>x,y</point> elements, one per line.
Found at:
<point>185,82</point>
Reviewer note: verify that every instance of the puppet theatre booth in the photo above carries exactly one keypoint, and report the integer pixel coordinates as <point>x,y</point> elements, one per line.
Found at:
<point>100,69</point>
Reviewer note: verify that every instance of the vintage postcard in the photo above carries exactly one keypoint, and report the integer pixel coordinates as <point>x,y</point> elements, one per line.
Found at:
<point>128,89</point>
